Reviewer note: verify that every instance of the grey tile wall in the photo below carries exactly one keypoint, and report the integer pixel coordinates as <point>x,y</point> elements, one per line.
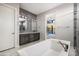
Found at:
<point>30,16</point>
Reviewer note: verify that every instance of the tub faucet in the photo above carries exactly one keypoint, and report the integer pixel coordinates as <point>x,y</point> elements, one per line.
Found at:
<point>65,46</point>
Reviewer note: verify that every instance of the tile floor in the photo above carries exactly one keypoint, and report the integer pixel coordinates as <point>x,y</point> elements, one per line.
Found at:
<point>13,52</point>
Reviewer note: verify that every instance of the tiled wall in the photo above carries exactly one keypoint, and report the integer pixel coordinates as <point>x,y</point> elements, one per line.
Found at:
<point>30,16</point>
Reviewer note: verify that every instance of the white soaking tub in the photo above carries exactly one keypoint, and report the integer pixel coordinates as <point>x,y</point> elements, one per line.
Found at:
<point>49,47</point>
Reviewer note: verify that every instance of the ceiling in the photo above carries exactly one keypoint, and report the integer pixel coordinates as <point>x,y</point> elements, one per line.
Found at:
<point>37,8</point>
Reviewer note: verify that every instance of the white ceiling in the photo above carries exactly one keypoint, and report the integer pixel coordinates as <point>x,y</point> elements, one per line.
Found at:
<point>37,8</point>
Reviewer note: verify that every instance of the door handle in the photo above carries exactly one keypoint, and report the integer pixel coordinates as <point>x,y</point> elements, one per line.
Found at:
<point>77,32</point>
<point>13,33</point>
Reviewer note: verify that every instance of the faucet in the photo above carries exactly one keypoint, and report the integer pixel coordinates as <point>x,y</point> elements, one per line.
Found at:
<point>65,46</point>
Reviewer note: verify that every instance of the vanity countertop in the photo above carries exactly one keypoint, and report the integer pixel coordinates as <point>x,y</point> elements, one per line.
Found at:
<point>28,32</point>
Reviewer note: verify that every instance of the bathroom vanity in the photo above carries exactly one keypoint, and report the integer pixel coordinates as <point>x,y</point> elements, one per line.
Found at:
<point>28,37</point>
<point>27,27</point>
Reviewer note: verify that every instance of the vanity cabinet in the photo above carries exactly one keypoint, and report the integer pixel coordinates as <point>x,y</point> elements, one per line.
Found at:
<point>27,38</point>
<point>23,39</point>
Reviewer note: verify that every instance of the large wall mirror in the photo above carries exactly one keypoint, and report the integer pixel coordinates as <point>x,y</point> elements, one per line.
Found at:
<point>23,23</point>
<point>27,21</point>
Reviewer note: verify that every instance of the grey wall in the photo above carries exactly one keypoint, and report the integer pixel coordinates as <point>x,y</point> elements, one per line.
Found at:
<point>78,17</point>
<point>77,30</point>
<point>63,15</point>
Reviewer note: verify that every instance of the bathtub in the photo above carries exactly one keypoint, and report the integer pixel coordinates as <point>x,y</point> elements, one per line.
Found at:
<point>49,47</point>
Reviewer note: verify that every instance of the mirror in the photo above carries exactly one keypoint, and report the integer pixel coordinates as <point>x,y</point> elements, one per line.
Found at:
<point>27,24</point>
<point>22,24</point>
